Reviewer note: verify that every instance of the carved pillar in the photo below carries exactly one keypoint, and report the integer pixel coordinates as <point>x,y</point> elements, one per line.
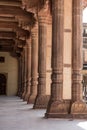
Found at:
<point>78,108</point>
<point>56,105</point>
<point>25,72</point>
<point>19,76</point>
<point>28,41</point>
<point>34,63</point>
<point>77,51</point>
<point>42,99</point>
<point>22,66</point>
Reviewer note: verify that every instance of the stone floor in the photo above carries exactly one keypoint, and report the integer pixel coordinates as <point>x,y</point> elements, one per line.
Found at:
<point>17,115</point>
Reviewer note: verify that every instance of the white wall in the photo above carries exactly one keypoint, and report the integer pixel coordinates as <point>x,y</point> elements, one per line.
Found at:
<point>10,68</point>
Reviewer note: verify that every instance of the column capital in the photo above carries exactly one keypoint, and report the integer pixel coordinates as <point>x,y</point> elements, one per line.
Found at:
<point>28,41</point>
<point>44,15</point>
<point>34,31</point>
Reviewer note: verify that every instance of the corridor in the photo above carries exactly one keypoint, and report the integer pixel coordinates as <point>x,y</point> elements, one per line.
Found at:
<point>17,115</point>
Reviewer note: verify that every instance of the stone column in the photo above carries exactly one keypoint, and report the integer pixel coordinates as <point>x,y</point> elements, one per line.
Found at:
<point>23,65</point>
<point>56,105</point>
<point>25,72</point>
<point>19,76</point>
<point>42,99</point>
<point>34,63</point>
<point>78,108</point>
<point>28,41</point>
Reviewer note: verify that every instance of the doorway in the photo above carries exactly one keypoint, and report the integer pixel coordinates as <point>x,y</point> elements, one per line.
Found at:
<point>3,81</point>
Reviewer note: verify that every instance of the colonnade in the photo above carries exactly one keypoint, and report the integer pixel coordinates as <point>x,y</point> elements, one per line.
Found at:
<point>34,69</point>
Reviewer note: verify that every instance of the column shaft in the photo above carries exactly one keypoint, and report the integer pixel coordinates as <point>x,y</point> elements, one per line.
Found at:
<point>56,105</point>
<point>43,18</point>
<point>77,51</point>
<point>34,63</point>
<point>78,107</point>
<point>28,69</point>
<point>19,76</point>
<point>25,72</point>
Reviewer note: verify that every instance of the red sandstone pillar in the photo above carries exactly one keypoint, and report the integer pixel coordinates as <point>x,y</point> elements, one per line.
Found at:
<point>78,108</point>
<point>56,105</point>
<point>34,63</point>
<point>43,19</point>
<point>28,69</point>
<point>77,50</point>
<point>25,72</point>
<point>19,76</point>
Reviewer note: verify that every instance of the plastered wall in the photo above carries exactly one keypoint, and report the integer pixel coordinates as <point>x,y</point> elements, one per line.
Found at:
<point>48,59</point>
<point>10,69</point>
<point>67,49</point>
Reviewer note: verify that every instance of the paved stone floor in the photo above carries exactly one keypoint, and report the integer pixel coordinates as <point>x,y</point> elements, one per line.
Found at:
<point>17,115</point>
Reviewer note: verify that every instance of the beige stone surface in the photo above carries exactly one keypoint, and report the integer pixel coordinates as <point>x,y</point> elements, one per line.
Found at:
<point>67,49</point>
<point>48,59</point>
<point>10,68</point>
<point>67,83</point>
<point>68,14</point>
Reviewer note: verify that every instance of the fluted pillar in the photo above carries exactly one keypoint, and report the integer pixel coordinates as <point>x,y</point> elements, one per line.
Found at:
<point>42,99</point>
<point>56,105</point>
<point>78,108</point>
<point>34,63</point>
<point>28,42</point>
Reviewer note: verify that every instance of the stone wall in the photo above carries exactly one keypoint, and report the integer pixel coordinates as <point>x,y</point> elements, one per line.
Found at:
<point>10,69</point>
<point>67,49</point>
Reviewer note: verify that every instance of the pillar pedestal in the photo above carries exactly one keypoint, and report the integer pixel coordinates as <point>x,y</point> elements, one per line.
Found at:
<point>57,107</point>
<point>42,99</point>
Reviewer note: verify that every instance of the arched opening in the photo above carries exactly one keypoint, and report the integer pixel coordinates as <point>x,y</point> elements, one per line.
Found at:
<point>3,81</point>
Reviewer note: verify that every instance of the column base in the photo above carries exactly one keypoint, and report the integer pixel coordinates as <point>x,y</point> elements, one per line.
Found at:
<point>66,116</point>
<point>26,97</point>
<point>76,110</point>
<point>31,99</point>
<point>19,94</point>
<point>41,102</point>
<point>79,107</point>
<point>58,109</point>
<point>23,95</point>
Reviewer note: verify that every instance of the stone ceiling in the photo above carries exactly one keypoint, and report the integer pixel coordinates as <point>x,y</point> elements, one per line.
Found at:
<point>16,19</point>
<point>15,23</point>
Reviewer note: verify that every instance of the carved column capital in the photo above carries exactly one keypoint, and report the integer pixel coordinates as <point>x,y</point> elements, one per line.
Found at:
<point>34,31</point>
<point>44,15</point>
